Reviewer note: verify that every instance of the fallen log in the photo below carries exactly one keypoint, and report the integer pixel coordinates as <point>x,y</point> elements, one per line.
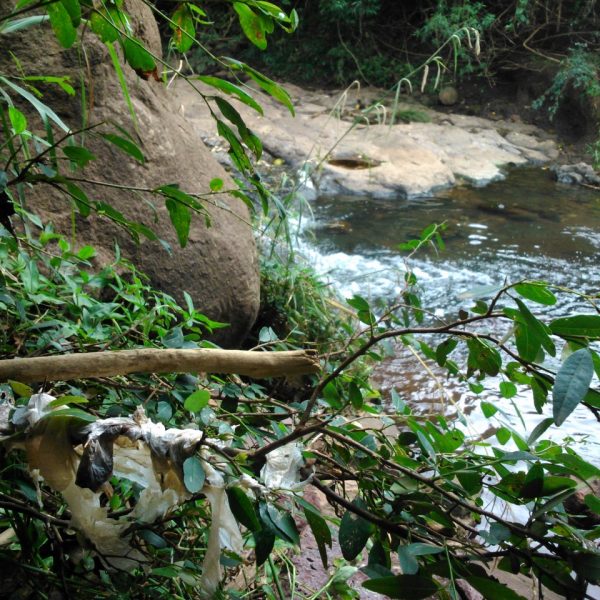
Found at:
<point>64,367</point>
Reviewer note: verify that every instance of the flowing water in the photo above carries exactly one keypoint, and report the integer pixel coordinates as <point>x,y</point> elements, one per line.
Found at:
<point>526,226</point>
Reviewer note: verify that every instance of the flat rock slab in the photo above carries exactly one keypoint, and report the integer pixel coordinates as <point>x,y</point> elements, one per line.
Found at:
<point>404,159</point>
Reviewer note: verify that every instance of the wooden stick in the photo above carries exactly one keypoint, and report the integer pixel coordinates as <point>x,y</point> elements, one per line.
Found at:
<point>154,360</point>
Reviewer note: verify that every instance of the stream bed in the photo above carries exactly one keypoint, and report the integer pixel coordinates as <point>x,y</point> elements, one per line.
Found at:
<point>526,226</point>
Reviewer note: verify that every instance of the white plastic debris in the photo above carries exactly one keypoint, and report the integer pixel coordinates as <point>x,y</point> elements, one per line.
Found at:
<point>37,407</point>
<point>282,468</point>
<point>139,450</point>
<point>224,530</point>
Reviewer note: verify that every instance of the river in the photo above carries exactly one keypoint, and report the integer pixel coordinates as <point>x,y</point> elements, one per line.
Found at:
<point>526,226</point>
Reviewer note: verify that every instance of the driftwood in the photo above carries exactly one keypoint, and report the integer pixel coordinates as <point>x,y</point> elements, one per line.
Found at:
<point>154,360</point>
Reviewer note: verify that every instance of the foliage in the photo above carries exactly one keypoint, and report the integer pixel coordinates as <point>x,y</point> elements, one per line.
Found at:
<point>297,305</point>
<point>422,490</point>
<point>377,41</point>
<point>447,19</point>
<point>33,159</point>
<point>578,72</point>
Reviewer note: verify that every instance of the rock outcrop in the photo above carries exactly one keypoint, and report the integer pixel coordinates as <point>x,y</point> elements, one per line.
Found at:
<point>580,173</point>
<point>404,159</point>
<point>219,266</point>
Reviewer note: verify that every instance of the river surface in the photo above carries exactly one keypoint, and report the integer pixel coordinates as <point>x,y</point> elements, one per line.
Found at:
<point>526,226</point>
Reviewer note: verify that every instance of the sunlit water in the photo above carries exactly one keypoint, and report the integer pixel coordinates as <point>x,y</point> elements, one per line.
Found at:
<point>526,226</point>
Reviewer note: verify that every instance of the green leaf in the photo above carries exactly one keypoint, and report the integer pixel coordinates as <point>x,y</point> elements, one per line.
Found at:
<point>444,349</point>
<point>577,466</point>
<point>263,544</point>
<point>508,389</point>
<point>539,387</point>
<point>170,572</point>
<point>193,474</point>
<point>279,524</point>
<point>79,155</point>
<point>405,587</point>
<point>553,485</point>
<point>536,291</point>
<point>247,136</point>
<point>197,401</point>
<point>174,338</point>
<point>152,538</point>
<point>216,184</point>
<point>19,24</point>
<point>355,396</point>
<point>71,413</point>
<point>498,533</point>
<point>181,217</point>
<point>408,562</point>
<point>184,30</point>
<point>539,430</point>
<point>488,409</point>
<point>534,482</point>
<point>265,83</point>
<point>126,145</point>
<point>86,252</point>
<point>587,326</point>
<point>74,9</point>
<point>420,549</point>
<point>571,384</point>
<point>21,390</point>
<point>61,23</point>
<point>536,327</point>
<point>45,111</point>
<point>503,435</point>
<point>470,481</point>
<point>17,120</point>
<point>122,82</point>
<point>62,82</point>
<point>379,556</point>
<point>252,25</point>
<point>107,22</point>
<point>593,503</point>
<point>354,531</point>
<point>137,57</point>
<point>492,590</point>
<point>231,89</point>
<point>242,508</point>
<point>484,357</point>
<point>62,400</point>
<point>359,303</point>
<point>81,200</point>
<point>321,531</point>
<point>528,345</point>
<point>236,149</point>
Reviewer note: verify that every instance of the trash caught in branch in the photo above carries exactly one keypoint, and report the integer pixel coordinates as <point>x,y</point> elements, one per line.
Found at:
<point>77,458</point>
<point>77,455</point>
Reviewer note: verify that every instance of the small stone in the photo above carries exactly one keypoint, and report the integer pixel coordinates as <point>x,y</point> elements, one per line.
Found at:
<point>448,96</point>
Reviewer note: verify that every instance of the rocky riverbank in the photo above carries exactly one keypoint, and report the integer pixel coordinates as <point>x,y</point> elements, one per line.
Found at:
<point>342,148</point>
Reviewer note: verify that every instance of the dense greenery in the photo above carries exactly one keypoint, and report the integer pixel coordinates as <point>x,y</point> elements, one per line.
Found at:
<point>546,52</point>
<point>377,41</point>
<point>417,490</point>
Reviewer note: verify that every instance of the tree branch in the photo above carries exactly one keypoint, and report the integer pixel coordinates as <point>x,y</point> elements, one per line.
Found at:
<point>155,360</point>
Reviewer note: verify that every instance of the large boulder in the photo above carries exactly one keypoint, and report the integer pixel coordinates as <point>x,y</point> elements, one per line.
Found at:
<point>219,266</point>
